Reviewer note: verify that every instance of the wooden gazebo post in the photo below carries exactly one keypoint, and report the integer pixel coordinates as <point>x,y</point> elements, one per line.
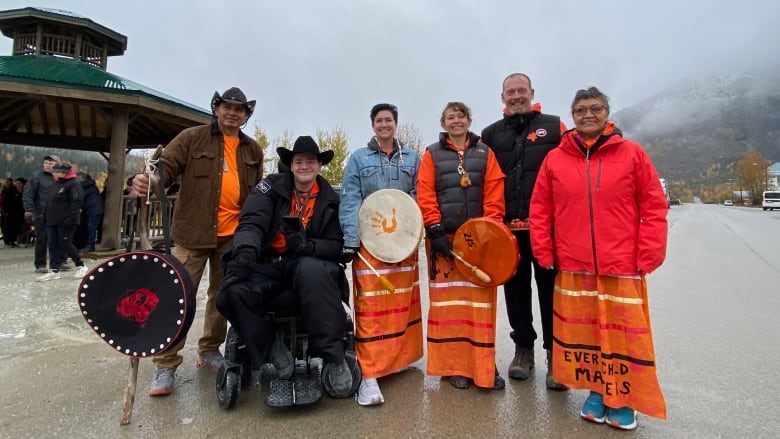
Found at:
<point>115,183</point>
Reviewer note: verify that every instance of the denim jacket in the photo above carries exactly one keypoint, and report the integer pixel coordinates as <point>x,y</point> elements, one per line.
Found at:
<point>368,170</point>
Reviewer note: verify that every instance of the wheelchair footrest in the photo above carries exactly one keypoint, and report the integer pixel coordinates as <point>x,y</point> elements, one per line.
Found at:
<point>300,390</point>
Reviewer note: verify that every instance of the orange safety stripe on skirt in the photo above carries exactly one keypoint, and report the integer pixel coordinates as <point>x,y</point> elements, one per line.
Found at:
<point>388,326</point>
<point>603,340</point>
<point>461,326</point>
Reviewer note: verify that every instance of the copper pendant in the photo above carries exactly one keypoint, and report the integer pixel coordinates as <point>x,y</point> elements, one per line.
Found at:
<point>465,181</point>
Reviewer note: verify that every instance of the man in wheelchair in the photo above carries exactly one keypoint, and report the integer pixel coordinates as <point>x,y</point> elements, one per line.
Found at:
<point>288,240</point>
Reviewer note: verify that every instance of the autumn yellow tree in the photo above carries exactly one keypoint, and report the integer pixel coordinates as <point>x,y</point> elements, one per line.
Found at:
<point>751,173</point>
<point>337,141</point>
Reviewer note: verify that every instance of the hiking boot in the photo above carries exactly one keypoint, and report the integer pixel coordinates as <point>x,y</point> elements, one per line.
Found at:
<point>41,270</point>
<point>212,360</point>
<point>550,380</point>
<point>521,365</point>
<point>594,409</point>
<point>460,382</point>
<point>52,275</point>
<point>340,378</point>
<point>80,272</point>
<point>369,393</point>
<point>162,382</point>
<point>282,364</point>
<point>623,418</point>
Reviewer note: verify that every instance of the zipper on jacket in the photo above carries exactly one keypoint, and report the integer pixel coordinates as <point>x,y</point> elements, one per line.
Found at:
<point>590,210</point>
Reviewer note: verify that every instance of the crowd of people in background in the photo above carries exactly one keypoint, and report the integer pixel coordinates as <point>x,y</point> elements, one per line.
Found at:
<point>56,210</point>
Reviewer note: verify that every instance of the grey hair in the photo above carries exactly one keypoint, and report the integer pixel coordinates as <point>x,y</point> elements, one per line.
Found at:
<point>590,93</point>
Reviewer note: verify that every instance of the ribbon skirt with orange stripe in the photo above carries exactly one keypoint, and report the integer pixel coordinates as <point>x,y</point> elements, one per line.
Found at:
<point>461,326</point>
<point>388,326</point>
<point>603,340</point>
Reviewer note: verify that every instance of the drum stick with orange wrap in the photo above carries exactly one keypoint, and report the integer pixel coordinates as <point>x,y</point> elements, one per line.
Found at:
<point>383,280</point>
<point>481,275</point>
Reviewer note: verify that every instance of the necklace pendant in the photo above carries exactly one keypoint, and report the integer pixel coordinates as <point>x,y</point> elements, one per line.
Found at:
<point>465,181</point>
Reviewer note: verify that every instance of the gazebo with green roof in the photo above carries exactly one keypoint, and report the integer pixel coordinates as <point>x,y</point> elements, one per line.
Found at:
<point>55,92</point>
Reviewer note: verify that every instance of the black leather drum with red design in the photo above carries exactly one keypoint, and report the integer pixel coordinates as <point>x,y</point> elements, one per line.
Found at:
<point>140,303</point>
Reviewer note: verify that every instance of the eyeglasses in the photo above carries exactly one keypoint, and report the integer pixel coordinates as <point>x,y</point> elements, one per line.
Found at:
<point>594,109</point>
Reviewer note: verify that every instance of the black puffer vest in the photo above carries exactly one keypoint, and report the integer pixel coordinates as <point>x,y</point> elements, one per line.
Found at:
<point>521,142</point>
<point>456,203</point>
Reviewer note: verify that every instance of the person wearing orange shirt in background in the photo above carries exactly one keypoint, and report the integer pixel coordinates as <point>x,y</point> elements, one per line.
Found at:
<point>598,215</point>
<point>217,166</point>
<point>459,179</point>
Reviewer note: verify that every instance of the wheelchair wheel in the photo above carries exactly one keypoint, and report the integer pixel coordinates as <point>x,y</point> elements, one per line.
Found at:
<point>228,386</point>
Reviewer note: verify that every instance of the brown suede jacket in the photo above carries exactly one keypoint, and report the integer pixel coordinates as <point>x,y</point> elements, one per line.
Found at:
<point>195,156</point>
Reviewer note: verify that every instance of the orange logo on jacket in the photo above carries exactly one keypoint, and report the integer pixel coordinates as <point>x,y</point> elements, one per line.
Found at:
<point>541,132</point>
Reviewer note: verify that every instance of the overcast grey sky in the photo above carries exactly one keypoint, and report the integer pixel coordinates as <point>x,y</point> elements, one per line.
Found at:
<point>320,64</point>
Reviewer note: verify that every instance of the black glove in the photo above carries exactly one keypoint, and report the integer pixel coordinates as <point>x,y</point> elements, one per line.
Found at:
<point>348,254</point>
<point>240,266</point>
<point>298,245</point>
<point>439,242</point>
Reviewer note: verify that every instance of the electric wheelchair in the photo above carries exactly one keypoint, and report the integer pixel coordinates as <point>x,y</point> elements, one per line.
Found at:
<point>305,385</point>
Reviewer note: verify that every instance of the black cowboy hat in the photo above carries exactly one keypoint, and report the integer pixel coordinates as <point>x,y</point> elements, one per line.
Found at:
<point>304,145</point>
<point>233,95</point>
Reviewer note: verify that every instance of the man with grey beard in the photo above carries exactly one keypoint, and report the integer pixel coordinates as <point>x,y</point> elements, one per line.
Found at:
<point>521,140</point>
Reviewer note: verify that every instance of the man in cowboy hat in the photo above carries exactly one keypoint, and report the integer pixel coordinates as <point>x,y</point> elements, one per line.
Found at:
<point>217,165</point>
<point>289,238</point>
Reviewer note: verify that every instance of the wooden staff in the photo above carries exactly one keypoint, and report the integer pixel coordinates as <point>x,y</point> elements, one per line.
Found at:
<point>481,275</point>
<point>383,280</point>
<point>142,226</point>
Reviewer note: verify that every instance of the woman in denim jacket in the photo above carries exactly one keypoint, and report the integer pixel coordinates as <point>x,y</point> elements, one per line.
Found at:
<point>386,340</point>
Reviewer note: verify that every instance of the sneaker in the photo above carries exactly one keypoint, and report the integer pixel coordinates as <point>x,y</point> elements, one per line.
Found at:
<point>52,275</point>
<point>41,270</point>
<point>162,383</point>
<point>80,272</point>
<point>369,393</point>
<point>623,418</point>
<point>282,364</point>
<point>549,379</point>
<point>521,365</point>
<point>65,267</point>
<point>340,378</point>
<point>460,382</point>
<point>212,360</point>
<point>594,409</point>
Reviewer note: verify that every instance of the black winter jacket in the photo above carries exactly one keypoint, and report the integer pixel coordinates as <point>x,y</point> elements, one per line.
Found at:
<point>36,192</point>
<point>64,204</point>
<point>262,213</point>
<point>521,142</point>
<point>92,203</point>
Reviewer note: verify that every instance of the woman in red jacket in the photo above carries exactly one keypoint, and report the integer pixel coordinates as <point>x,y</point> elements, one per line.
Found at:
<point>598,215</point>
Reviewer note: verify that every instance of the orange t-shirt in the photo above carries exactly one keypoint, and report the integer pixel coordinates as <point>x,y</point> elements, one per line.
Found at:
<point>229,205</point>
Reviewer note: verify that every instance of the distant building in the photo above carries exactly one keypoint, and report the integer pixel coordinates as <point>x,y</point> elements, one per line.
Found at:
<point>773,176</point>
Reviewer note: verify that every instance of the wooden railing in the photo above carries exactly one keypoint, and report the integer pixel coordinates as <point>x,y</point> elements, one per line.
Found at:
<point>60,45</point>
<point>153,218</point>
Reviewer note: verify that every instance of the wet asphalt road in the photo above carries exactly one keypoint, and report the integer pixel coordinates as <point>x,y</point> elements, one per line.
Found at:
<point>714,308</point>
